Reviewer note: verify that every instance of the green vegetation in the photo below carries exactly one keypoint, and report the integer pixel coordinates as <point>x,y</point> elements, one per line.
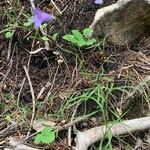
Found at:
<point>46,136</point>
<point>80,39</point>
<point>81,80</point>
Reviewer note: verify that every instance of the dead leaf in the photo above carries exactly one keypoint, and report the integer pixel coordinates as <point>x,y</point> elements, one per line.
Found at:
<point>39,125</point>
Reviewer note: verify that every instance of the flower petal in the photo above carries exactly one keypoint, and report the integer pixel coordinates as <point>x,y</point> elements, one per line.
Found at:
<point>99,2</point>
<point>46,17</point>
<point>37,24</point>
<point>40,17</point>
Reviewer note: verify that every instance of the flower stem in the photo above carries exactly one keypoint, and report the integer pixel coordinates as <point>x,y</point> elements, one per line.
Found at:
<point>32,4</point>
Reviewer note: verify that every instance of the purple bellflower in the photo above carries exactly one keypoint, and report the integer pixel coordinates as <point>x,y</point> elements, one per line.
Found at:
<point>40,17</point>
<point>99,2</point>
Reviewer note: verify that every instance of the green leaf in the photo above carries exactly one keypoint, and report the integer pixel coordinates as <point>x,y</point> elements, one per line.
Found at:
<point>46,131</point>
<point>87,32</point>
<point>38,138</point>
<point>46,136</point>
<point>29,22</point>
<point>45,38</point>
<point>78,35</point>
<point>54,37</point>
<point>49,139</point>
<point>81,43</point>
<point>70,38</point>
<point>9,35</point>
<point>90,41</point>
<point>44,25</point>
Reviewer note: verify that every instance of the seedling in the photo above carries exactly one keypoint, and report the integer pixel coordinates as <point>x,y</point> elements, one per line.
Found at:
<point>9,34</point>
<point>48,37</point>
<point>80,39</point>
<point>46,136</point>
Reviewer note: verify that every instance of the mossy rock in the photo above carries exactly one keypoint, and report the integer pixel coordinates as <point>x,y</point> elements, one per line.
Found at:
<point>124,22</point>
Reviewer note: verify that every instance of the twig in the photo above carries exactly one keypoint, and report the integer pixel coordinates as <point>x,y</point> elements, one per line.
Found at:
<point>59,128</point>
<point>33,98</point>
<point>9,46</point>
<point>10,28</point>
<point>32,3</point>
<point>10,66</point>
<point>13,32</point>
<point>49,92</point>
<point>17,145</point>
<point>18,98</point>
<point>13,125</point>
<point>69,129</point>
<point>56,7</point>
<point>43,89</point>
<point>36,51</point>
<point>64,127</point>
<point>146,79</point>
<point>89,137</point>
<point>32,47</point>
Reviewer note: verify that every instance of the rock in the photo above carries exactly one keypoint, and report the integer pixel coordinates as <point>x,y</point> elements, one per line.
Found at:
<point>123,22</point>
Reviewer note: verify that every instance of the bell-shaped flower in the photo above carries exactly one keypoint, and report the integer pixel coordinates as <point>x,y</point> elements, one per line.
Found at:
<point>40,17</point>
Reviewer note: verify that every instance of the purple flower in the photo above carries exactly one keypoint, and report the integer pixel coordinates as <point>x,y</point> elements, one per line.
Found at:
<point>40,17</point>
<point>99,2</point>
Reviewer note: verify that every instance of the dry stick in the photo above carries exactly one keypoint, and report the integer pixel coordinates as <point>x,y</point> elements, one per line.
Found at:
<point>32,47</point>
<point>56,7</point>
<point>28,65</point>
<point>10,41</point>
<point>50,90</point>
<point>17,145</point>
<point>9,45</point>
<point>141,84</point>
<point>43,89</point>
<point>59,128</point>
<point>33,98</point>
<point>46,43</point>
<point>32,3</point>
<point>10,28</point>
<point>89,137</point>
<point>146,79</point>
<point>64,127</point>
<point>9,69</point>
<point>69,129</point>
<point>22,84</point>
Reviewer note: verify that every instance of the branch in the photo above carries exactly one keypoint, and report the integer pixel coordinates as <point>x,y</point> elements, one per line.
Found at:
<point>17,145</point>
<point>33,98</point>
<point>89,137</point>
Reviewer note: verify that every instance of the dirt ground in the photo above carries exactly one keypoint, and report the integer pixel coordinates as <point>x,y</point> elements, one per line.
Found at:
<point>125,65</point>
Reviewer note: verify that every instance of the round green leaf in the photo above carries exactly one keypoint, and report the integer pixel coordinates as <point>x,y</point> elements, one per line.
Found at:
<point>46,136</point>
<point>87,32</point>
